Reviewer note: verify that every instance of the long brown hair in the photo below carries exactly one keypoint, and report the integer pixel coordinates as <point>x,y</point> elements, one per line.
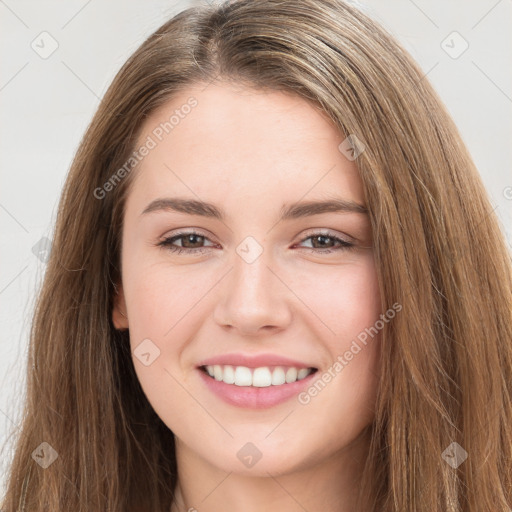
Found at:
<point>446,360</point>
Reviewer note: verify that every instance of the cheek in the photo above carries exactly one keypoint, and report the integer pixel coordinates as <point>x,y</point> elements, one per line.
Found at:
<point>347,302</point>
<point>160,295</point>
<point>162,319</point>
<point>340,299</point>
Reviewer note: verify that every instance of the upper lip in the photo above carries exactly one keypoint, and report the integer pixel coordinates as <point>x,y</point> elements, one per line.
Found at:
<point>253,361</point>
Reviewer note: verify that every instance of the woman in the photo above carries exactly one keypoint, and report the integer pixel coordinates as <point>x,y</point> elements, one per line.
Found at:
<point>341,337</point>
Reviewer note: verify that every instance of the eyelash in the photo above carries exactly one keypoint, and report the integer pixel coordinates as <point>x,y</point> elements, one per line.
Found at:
<point>167,243</point>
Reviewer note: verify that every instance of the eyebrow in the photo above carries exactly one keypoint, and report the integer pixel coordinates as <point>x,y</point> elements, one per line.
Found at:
<point>288,211</point>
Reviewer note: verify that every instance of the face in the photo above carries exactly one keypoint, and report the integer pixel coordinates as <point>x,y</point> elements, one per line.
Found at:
<point>236,283</point>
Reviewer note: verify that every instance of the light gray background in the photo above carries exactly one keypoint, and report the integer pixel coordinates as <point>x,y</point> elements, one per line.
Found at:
<point>46,105</point>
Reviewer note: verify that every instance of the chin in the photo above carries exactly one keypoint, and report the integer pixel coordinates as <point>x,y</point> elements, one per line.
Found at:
<point>261,458</point>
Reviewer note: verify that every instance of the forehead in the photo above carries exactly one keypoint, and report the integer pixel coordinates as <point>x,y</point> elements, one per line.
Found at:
<point>220,141</point>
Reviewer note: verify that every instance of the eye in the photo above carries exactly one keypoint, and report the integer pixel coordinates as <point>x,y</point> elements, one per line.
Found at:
<point>323,238</point>
<point>190,239</point>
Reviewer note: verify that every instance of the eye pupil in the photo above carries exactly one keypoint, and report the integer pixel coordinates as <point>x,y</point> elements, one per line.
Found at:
<point>190,238</point>
<point>322,238</point>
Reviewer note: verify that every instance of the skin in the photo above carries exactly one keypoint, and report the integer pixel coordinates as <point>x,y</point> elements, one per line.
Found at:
<point>249,152</point>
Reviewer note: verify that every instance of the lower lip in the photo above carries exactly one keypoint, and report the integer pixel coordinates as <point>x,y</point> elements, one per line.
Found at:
<point>254,397</point>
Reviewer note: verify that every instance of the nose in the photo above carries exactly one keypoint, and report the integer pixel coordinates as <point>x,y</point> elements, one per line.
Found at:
<point>253,298</point>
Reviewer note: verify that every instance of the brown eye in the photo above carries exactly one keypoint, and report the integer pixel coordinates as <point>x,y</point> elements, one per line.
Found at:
<point>191,242</point>
<point>323,242</point>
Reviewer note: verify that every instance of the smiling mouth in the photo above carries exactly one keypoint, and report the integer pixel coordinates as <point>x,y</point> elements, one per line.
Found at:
<point>260,377</point>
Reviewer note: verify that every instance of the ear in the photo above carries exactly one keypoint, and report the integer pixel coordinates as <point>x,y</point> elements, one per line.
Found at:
<point>119,315</point>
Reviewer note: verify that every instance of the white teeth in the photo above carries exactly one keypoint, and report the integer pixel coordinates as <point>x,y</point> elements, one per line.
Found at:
<point>243,376</point>
<point>217,372</point>
<point>258,377</point>
<point>302,373</point>
<point>291,375</point>
<point>278,376</point>
<point>261,378</point>
<point>229,375</point>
